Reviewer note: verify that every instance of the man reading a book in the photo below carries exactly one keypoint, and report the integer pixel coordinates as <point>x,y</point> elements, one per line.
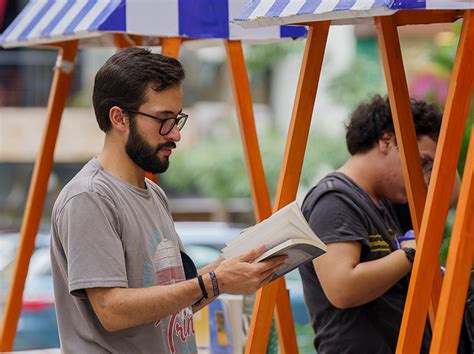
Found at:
<point>122,280</point>
<point>356,292</point>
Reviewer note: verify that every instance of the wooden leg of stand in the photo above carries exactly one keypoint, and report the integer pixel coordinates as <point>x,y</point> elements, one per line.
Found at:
<point>405,132</point>
<point>284,320</point>
<point>458,266</point>
<point>402,116</point>
<point>291,171</point>
<point>171,46</point>
<point>248,131</point>
<point>37,194</point>
<point>439,193</point>
<point>302,114</point>
<point>258,184</point>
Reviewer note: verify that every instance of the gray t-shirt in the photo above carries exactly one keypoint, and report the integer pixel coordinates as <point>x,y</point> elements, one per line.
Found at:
<point>108,233</point>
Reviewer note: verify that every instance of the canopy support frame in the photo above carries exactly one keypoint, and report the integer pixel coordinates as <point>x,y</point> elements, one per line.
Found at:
<point>399,97</point>
<point>37,193</point>
<point>288,182</point>
<point>439,192</point>
<point>447,327</point>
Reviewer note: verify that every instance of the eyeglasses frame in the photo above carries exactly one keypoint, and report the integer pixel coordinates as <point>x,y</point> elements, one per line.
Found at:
<point>176,119</point>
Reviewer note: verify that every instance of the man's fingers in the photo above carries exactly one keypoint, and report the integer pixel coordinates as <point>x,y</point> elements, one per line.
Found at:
<point>266,280</point>
<point>272,263</point>
<point>267,273</point>
<point>251,255</point>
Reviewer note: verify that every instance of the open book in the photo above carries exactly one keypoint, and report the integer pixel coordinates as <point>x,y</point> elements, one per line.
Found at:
<point>285,232</point>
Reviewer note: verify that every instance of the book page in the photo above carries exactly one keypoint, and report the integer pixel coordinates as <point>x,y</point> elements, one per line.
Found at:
<point>284,225</point>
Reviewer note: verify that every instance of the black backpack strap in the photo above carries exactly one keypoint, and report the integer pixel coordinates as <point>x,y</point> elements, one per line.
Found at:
<point>337,183</point>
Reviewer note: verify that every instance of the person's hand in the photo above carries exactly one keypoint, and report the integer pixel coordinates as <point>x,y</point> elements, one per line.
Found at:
<point>239,276</point>
<point>407,240</point>
<point>408,244</point>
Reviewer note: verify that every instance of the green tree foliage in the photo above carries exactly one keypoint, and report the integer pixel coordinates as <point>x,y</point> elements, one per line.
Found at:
<point>217,167</point>
<point>357,83</point>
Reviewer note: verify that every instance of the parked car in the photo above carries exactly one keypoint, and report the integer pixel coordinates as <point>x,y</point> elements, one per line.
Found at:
<point>37,327</point>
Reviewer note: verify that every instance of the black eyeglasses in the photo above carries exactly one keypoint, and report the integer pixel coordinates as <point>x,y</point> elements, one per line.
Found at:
<point>167,124</point>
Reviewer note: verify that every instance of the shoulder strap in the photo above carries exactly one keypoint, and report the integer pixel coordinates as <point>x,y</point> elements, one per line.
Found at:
<point>337,183</point>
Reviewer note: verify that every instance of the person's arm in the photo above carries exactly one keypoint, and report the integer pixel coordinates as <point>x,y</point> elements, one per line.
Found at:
<point>120,308</point>
<point>211,266</point>
<point>347,282</point>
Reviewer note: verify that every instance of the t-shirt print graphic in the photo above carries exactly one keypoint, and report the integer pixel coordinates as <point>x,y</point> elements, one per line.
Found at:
<point>179,327</point>
<point>167,263</point>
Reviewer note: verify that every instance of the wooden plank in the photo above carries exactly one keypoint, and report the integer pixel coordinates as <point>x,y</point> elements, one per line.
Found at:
<point>289,177</point>
<point>418,17</point>
<point>284,321</point>
<point>405,132</point>
<point>413,17</point>
<point>295,149</point>
<point>302,114</point>
<point>37,194</point>
<point>402,116</point>
<point>458,267</point>
<point>123,40</point>
<point>171,46</point>
<point>439,192</point>
<point>248,131</point>
<point>258,185</point>
<point>259,331</point>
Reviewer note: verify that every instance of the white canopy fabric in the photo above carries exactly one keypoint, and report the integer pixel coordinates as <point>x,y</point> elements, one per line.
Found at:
<point>47,21</point>
<point>261,13</point>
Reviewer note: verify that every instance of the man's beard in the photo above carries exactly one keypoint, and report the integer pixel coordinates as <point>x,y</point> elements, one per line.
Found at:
<point>143,154</point>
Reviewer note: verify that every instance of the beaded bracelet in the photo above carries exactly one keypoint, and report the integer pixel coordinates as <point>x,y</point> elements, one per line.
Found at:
<point>215,284</point>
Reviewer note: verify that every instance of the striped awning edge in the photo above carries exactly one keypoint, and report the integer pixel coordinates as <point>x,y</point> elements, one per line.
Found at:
<point>45,21</point>
<point>261,13</point>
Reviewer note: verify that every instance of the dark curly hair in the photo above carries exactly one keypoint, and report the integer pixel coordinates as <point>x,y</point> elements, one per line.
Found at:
<point>370,120</point>
<point>123,80</point>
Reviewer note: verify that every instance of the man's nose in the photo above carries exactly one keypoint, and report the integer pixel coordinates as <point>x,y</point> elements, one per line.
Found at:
<point>174,134</point>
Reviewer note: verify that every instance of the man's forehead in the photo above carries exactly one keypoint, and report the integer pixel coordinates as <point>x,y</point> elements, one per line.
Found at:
<point>169,99</point>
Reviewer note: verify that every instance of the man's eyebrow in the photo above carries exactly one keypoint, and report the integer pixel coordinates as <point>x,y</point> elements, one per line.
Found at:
<point>169,112</point>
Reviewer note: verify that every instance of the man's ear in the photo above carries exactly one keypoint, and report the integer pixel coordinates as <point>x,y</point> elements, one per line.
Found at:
<point>385,142</point>
<point>118,118</point>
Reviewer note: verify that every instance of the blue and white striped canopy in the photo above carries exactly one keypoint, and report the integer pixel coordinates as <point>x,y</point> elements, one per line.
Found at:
<point>47,21</point>
<point>261,13</point>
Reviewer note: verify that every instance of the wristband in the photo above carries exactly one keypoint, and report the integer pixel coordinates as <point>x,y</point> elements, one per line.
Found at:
<point>409,253</point>
<point>203,288</point>
<point>215,284</point>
